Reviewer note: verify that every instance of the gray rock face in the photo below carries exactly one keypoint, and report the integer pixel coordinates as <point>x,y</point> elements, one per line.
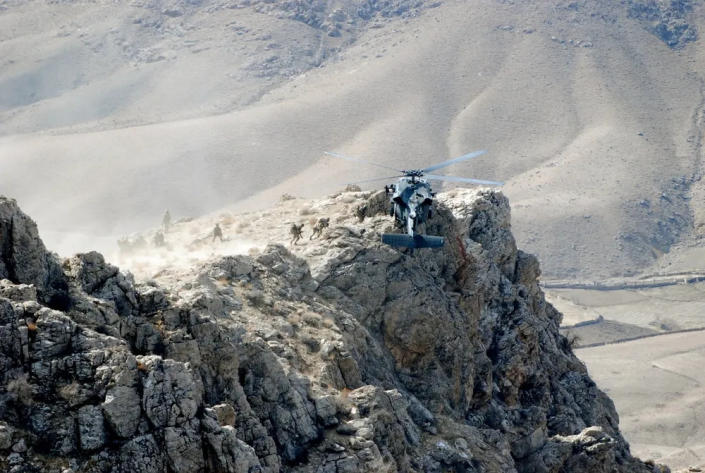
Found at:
<point>171,394</point>
<point>90,427</point>
<point>122,410</point>
<point>24,259</point>
<point>348,356</point>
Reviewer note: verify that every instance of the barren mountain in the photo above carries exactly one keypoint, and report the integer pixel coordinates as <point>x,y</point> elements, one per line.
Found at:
<point>337,355</point>
<point>591,110</point>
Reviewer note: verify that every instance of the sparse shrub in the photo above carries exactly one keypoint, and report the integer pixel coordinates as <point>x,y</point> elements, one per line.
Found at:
<point>294,319</point>
<point>31,326</point>
<point>342,402</point>
<point>20,389</point>
<point>666,324</point>
<point>305,211</point>
<point>285,196</point>
<point>573,341</point>
<point>142,367</point>
<point>312,319</point>
<point>69,391</point>
<point>352,188</point>
<point>226,219</point>
<point>223,281</point>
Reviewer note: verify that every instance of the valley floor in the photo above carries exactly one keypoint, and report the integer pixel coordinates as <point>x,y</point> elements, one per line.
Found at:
<point>656,384</point>
<point>645,347</point>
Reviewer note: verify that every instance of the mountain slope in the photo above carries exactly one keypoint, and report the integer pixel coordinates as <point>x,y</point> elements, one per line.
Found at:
<point>591,118</point>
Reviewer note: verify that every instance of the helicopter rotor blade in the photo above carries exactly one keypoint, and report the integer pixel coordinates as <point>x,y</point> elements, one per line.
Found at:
<point>463,179</point>
<point>358,160</point>
<point>474,154</point>
<point>375,179</point>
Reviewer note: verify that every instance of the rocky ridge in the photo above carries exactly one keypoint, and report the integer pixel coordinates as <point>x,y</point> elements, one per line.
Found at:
<point>340,355</point>
<point>666,19</point>
<point>334,17</point>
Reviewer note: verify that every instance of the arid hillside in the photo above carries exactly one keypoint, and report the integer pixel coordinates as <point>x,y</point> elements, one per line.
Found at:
<point>591,112</point>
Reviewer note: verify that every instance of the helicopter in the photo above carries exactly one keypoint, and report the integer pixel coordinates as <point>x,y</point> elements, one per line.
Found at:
<point>411,199</point>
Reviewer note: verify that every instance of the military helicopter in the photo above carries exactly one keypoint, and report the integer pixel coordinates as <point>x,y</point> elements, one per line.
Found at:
<point>412,197</point>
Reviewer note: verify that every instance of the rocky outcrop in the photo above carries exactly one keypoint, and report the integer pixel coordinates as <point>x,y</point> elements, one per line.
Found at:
<point>342,356</point>
<point>334,16</point>
<point>666,19</point>
<point>24,259</point>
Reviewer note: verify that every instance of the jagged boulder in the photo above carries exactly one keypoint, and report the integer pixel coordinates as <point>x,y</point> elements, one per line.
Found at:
<point>25,260</point>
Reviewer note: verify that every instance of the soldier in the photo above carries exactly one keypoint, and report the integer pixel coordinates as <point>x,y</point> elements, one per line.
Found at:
<point>159,240</point>
<point>296,232</point>
<point>360,212</point>
<point>166,221</point>
<point>319,227</point>
<point>217,232</point>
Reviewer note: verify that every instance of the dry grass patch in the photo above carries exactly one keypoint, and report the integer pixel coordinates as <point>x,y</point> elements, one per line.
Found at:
<point>20,389</point>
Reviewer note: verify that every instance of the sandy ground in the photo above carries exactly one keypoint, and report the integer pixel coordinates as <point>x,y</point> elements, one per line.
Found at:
<point>191,240</point>
<point>657,386</point>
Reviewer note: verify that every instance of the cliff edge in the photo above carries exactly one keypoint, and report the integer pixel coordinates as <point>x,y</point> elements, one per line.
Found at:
<point>337,355</point>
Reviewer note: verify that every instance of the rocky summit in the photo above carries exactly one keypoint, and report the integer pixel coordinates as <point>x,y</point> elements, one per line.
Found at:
<point>338,354</point>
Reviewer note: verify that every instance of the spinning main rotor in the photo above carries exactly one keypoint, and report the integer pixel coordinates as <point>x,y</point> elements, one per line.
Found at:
<point>419,173</point>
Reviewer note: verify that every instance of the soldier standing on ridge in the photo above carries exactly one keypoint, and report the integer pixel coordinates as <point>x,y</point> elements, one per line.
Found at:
<point>166,221</point>
<point>217,232</point>
<point>296,232</point>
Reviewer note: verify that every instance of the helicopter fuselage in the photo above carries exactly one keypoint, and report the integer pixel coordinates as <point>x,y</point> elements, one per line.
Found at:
<point>412,198</point>
<point>411,202</point>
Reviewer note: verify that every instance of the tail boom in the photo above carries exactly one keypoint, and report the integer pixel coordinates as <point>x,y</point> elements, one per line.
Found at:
<point>417,241</point>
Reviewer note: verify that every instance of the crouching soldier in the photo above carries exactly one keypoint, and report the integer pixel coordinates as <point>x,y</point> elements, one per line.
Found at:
<point>321,225</point>
<point>217,233</point>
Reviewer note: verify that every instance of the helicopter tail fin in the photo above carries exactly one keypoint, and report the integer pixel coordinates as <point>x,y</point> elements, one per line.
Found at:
<point>416,241</point>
